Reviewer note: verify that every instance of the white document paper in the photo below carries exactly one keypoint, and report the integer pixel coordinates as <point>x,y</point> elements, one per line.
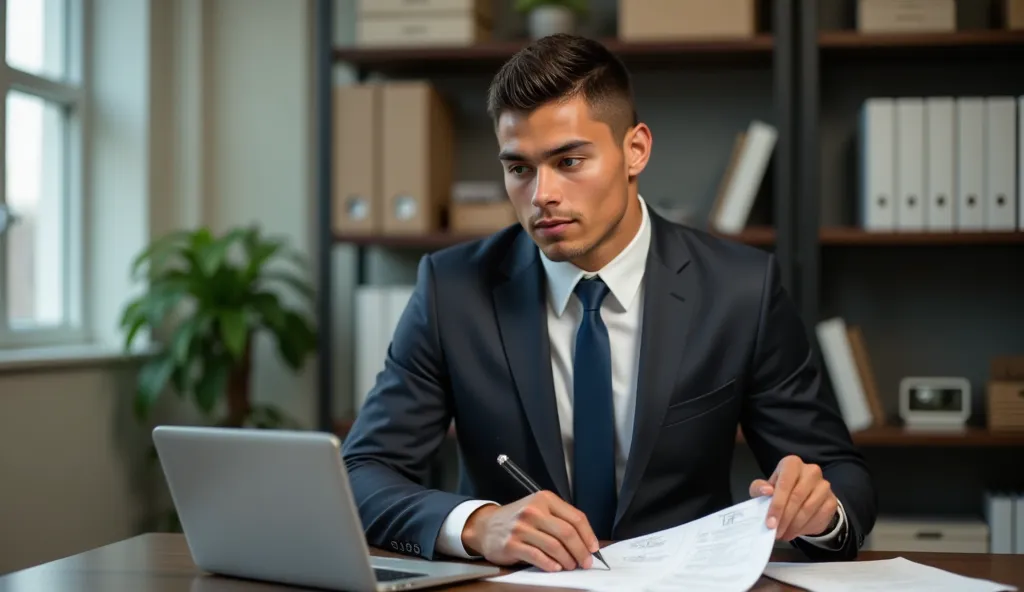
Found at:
<point>868,576</point>
<point>721,552</point>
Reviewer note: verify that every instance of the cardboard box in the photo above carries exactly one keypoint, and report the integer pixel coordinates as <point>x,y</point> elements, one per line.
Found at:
<point>483,9</point>
<point>663,20</point>
<point>1007,368</point>
<point>1005,405</point>
<point>935,535</point>
<point>897,16</point>
<point>1014,14</point>
<point>357,201</point>
<point>418,166</point>
<point>446,30</point>
<point>481,217</point>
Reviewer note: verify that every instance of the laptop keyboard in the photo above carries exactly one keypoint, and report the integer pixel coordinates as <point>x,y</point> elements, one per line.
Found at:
<point>390,575</point>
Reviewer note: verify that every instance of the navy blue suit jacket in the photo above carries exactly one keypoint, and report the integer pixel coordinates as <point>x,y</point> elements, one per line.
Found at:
<point>722,346</point>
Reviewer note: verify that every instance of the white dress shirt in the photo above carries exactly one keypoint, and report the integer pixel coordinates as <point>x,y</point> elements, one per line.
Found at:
<point>622,312</point>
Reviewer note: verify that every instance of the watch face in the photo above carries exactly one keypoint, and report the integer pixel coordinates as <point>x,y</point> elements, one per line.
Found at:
<point>924,398</point>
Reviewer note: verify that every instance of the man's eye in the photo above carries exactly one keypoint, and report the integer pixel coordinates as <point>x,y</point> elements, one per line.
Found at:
<point>571,162</point>
<point>517,169</point>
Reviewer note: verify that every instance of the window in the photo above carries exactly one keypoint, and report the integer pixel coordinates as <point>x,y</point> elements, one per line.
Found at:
<point>40,182</point>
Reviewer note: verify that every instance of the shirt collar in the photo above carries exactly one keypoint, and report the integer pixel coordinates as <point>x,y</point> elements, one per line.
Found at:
<point>622,274</point>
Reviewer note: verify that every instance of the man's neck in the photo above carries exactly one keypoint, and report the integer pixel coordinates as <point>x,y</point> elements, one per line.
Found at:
<point>617,240</point>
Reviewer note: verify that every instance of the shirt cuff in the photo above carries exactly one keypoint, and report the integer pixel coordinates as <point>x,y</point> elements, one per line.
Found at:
<point>449,540</point>
<point>829,539</point>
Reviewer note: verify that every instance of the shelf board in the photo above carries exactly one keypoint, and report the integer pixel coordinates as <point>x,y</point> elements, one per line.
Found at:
<point>876,437</point>
<point>493,53</point>
<point>987,40</point>
<point>757,236</point>
<point>894,436</point>
<point>762,236</point>
<point>969,437</point>
<point>852,236</point>
<point>427,241</point>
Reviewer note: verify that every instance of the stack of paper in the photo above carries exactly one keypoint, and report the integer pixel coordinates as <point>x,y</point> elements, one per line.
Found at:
<point>869,576</point>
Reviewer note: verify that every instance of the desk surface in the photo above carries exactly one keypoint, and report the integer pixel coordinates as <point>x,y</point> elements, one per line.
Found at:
<point>161,563</point>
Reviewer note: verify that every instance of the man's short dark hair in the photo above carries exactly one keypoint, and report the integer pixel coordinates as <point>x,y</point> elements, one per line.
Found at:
<point>563,67</point>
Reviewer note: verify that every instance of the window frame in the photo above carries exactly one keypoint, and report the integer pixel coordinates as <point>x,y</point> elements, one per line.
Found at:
<point>70,94</point>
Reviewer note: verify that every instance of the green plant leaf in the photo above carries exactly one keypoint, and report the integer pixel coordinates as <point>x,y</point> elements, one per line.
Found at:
<point>295,282</point>
<point>159,250</point>
<point>268,307</point>
<point>150,309</point>
<point>186,333</point>
<point>233,331</point>
<point>213,255</point>
<point>295,340</point>
<point>212,384</point>
<point>577,6</point>
<point>201,239</point>
<point>259,254</point>
<point>181,378</point>
<point>153,377</point>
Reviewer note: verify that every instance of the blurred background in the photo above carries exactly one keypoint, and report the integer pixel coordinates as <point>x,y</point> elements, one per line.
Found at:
<point>211,212</point>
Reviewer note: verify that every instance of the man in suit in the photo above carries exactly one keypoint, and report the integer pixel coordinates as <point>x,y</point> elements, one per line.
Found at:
<point>608,352</point>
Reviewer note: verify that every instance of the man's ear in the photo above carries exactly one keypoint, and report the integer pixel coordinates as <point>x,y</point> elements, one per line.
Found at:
<point>637,148</point>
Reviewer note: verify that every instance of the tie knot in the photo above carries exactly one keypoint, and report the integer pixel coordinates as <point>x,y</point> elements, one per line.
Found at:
<point>591,292</point>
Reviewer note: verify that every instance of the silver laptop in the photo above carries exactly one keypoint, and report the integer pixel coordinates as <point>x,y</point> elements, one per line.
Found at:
<point>277,506</point>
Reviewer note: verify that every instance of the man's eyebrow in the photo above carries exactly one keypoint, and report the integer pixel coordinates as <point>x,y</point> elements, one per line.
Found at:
<point>567,147</point>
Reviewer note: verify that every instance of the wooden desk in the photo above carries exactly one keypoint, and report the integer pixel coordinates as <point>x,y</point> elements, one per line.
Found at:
<point>161,563</point>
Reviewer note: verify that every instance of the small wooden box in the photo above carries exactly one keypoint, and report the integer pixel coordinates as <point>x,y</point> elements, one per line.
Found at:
<point>1014,14</point>
<point>406,8</point>
<point>663,20</point>
<point>1007,368</point>
<point>1006,405</point>
<point>423,31</point>
<point>899,16</point>
<point>481,217</point>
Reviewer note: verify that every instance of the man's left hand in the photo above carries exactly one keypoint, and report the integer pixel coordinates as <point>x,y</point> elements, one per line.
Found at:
<point>802,500</point>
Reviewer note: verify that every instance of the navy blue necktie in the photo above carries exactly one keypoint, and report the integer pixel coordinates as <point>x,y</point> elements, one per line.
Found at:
<point>594,489</point>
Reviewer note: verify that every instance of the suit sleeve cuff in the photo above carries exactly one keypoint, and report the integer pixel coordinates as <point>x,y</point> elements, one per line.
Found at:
<point>449,540</point>
<point>830,540</point>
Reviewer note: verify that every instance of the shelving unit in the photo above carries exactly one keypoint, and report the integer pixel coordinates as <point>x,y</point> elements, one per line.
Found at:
<point>813,71</point>
<point>928,303</point>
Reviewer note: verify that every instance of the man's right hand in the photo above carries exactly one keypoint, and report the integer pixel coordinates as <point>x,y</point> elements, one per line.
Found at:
<point>541,529</point>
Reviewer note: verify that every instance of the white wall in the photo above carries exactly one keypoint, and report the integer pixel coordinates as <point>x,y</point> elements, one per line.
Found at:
<point>221,134</point>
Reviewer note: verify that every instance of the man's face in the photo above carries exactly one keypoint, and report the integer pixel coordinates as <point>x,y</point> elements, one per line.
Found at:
<point>568,178</point>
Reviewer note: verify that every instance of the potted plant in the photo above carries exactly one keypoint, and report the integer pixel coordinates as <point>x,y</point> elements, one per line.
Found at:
<point>211,296</point>
<point>549,17</point>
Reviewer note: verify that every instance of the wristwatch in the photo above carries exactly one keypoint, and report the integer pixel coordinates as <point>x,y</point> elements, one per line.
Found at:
<point>832,524</point>
<point>840,539</point>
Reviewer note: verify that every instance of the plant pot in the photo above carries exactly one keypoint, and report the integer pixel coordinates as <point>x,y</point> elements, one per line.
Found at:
<point>549,20</point>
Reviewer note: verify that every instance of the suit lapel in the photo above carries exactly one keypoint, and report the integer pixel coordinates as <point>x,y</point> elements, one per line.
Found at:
<point>522,322</point>
<point>669,295</point>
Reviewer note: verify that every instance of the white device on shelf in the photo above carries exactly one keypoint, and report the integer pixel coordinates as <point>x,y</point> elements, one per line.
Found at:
<point>935,402</point>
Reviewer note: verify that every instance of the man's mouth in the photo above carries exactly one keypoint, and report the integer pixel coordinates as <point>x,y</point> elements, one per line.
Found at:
<point>551,222</point>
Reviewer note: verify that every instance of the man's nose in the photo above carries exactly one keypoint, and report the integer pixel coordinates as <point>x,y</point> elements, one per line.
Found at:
<point>546,190</point>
